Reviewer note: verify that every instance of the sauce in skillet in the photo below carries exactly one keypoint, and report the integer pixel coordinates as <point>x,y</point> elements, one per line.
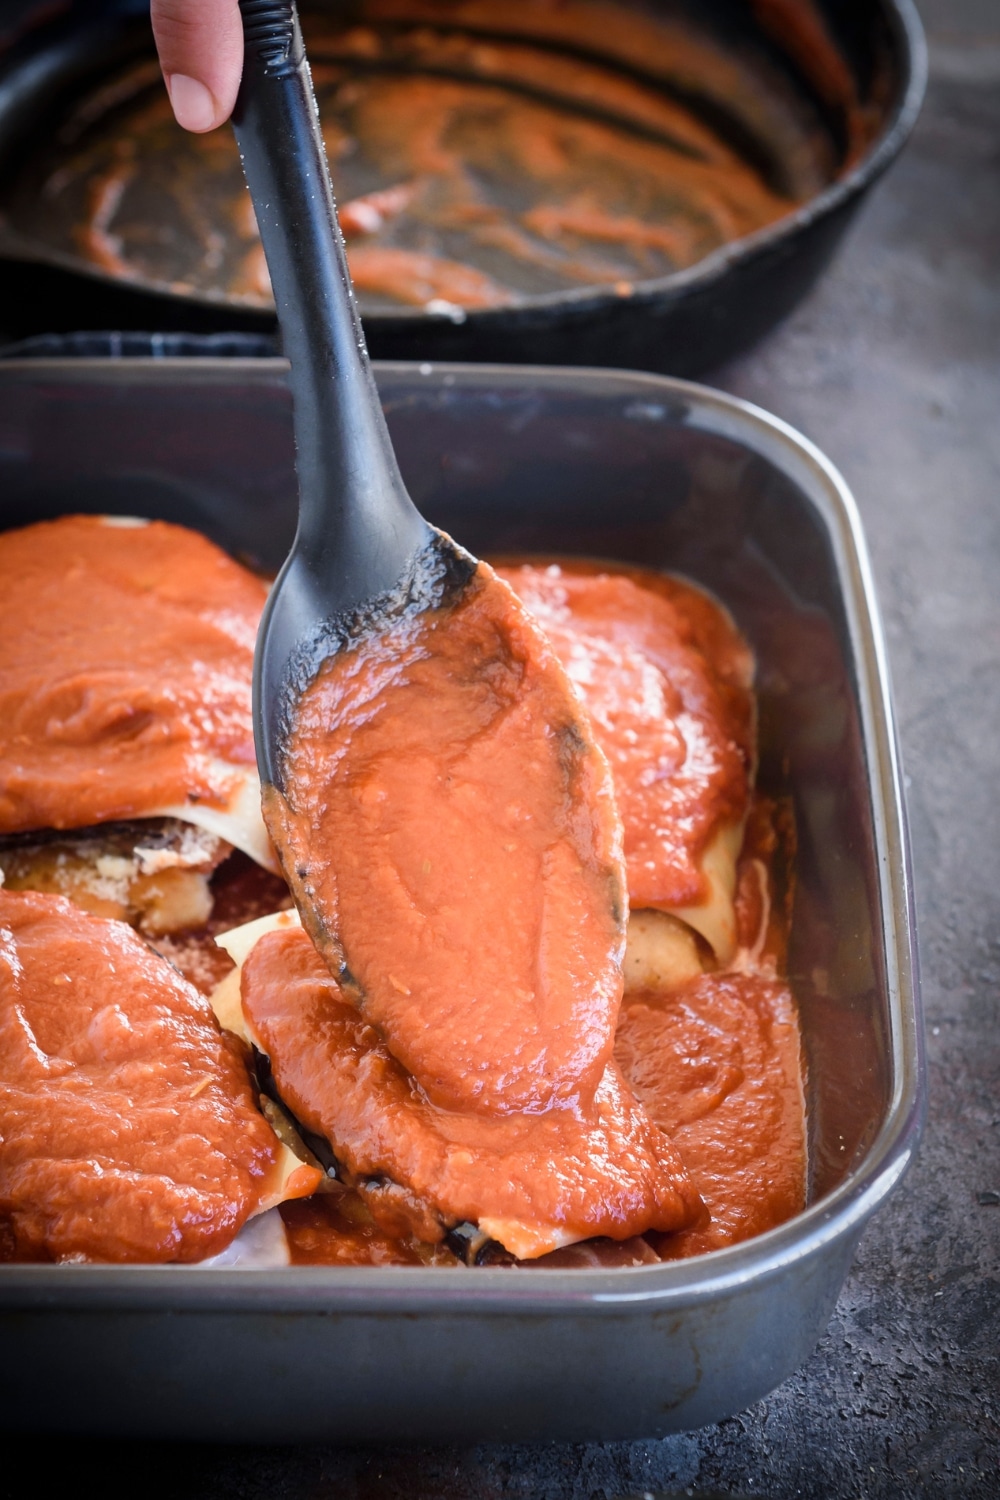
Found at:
<point>481,152</point>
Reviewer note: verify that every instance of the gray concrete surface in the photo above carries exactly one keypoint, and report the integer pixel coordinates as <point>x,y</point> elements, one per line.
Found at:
<point>893,367</point>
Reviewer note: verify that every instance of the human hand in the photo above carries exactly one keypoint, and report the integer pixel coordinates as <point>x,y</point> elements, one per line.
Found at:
<point>200,43</point>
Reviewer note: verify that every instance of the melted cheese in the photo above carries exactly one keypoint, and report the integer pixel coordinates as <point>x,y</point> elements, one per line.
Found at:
<point>239,942</point>
<point>715,917</point>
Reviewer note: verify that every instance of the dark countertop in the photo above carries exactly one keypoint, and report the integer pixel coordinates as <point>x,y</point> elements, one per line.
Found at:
<point>893,367</point>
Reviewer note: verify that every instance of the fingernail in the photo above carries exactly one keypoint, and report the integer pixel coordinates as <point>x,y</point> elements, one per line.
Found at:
<point>193,104</point>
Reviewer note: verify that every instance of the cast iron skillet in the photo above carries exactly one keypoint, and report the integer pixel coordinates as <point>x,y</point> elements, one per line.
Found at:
<point>682,323</point>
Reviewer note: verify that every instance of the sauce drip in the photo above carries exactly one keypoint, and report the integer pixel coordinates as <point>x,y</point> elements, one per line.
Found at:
<point>129,1129</point>
<point>125,674</point>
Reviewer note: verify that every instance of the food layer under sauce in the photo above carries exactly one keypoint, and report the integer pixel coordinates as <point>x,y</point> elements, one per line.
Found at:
<point>129,1129</point>
<point>126,659</point>
<point>458,1049</point>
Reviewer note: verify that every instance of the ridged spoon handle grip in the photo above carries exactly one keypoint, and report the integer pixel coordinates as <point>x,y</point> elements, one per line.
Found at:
<point>353,505</point>
<point>270,34</point>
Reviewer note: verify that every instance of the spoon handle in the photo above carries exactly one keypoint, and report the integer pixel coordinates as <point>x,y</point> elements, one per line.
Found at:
<point>355,517</point>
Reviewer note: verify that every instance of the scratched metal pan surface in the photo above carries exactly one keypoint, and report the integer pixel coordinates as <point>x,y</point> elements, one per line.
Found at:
<point>648,183</point>
<point>615,465</point>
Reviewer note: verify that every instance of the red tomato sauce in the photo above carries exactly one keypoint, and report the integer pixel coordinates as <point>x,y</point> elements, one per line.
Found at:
<point>717,1065</point>
<point>130,1130</point>
<point>666,679</point>
<point>706,1085</point>
<point>337,1229</point>
<point>125,671</point>
<point>463,851</point>
<point>598,1167</point>
<point>462,1042</point>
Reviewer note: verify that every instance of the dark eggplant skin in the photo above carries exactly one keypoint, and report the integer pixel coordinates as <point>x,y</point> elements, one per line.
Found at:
<point>469,1245</point>
<point>681,324</point>
<point>316,1146</point>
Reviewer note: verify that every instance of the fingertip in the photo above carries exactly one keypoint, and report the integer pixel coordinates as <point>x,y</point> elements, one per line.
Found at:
<point>194,105</point>
<point>200,43</point>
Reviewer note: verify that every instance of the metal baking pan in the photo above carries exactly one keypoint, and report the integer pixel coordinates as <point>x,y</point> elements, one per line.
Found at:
<point>614,465</point>
<point>827,114</point>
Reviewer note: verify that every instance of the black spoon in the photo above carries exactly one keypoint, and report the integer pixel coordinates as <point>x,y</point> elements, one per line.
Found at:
<point>362,554</point>
<point>364,561</point>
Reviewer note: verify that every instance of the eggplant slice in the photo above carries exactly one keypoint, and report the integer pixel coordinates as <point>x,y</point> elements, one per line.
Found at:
<point>152,873</point>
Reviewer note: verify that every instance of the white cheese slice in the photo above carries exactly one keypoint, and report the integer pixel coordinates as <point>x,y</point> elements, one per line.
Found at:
<point>260,1245</point>
<point>290,1178</point>
<point>238,942</point>
<point>715,917</point>
<point>527,1241</point>
<point>240,822</point>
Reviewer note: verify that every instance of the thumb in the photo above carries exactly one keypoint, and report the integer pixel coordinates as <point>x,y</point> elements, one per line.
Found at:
<point>200,43</point>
